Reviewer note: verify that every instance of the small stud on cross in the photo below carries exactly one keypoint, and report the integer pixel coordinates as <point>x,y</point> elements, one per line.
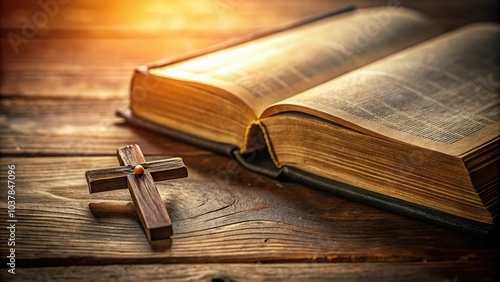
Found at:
<point>140,176</point>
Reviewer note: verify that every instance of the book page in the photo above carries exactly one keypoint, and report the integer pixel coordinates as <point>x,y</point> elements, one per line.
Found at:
<point>275,67</point>
<point>442,95</point>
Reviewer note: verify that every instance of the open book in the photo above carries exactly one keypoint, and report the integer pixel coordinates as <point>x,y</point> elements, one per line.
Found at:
<point>376,105</point>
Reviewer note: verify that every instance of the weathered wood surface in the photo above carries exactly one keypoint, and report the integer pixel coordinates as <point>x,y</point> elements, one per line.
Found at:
<point>397,272</point>
<point>68,58</point>
<point>219,215</point>
<point>58,97</point>
<point>152,18</point>
<point>47,127</point>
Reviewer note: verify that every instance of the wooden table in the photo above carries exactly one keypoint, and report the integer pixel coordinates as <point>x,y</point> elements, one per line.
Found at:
<point>59,89</point>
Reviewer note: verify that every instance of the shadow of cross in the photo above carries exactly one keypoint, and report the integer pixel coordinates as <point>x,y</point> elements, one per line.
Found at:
<point>140,176</point>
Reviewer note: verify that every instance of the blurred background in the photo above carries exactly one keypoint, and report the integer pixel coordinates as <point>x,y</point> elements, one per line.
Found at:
<point>45,44</point>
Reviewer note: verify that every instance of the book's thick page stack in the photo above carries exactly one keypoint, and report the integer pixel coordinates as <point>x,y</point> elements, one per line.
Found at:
<point>370,104</point>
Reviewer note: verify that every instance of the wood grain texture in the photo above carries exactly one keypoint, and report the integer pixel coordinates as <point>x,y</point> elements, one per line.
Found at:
<point>106,40</point>
<point>221,213</point>
<point>129,19</point>
<point>412,271</point>
<point>58,94</point>
<point>99,71</point>
<point>42,127</point>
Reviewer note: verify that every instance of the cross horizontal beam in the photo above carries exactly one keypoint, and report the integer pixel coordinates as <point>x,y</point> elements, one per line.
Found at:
<point>114,178</point>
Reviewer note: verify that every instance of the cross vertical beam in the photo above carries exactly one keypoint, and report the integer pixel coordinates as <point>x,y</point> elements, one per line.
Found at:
<point>147,200</point>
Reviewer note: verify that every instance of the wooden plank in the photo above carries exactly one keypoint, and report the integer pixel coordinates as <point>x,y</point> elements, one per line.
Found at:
<point>413,271</point>
<point>221,213</point>
<point>83,68</point>
<point>79,14</point>
<point>171,15</point>
<point>21,107</point>
<point>86,54</point>
<point>67,127</point>
<point>76,136</point>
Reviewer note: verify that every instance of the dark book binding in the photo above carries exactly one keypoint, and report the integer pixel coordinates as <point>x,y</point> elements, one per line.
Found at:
<point>260,161</point>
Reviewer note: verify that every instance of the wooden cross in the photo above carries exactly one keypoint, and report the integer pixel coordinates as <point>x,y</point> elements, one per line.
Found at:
<point>139,176</point>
